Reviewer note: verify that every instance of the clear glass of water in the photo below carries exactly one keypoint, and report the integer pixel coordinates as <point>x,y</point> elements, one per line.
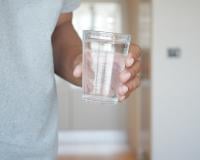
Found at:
<point>104,56</point>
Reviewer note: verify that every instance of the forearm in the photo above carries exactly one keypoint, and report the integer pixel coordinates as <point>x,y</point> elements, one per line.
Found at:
<point>67,47</point>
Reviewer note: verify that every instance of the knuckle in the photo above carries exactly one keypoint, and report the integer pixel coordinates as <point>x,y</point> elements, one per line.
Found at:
<point>129,86</point>
<point>132,85</point>
<point>135,83</point>
<point>139,64</point>
<point>139,51</point>
<point>133,72</point>
<point>137,47</point>
<point>131,48</point>
<point>136,68</point>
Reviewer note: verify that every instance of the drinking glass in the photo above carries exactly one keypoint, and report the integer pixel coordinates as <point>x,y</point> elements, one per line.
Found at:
<point>104,55</point>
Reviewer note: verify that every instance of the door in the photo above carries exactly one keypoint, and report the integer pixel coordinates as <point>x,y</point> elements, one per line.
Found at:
<point>176,77</point>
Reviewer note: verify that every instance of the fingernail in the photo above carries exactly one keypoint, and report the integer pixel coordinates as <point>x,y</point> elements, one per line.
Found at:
<point>123,90</point>
<point>77,71</point>
<point>122,98</point>
<point>126,76</point>
<point>129,62</point>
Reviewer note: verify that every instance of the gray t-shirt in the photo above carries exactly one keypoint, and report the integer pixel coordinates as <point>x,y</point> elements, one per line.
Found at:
<point>28,100</point>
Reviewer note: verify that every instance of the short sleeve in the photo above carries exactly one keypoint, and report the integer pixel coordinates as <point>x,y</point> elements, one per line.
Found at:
<point>70,5</point>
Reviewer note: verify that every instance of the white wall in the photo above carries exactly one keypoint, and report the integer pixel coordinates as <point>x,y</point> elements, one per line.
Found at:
<point>176,89</point>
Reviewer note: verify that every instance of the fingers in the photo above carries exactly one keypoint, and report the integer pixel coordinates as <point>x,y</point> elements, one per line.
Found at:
<point>125,76</point>
<point>122,91</point>
<point>134,53</point>
<point>135,69</point>
<point>129,61</point>
<point>133,84</point>
<point>126,89</point>
<point>78,71</point>
<point>130,72</point>
<point>133,64</point>
<point>129,77</point>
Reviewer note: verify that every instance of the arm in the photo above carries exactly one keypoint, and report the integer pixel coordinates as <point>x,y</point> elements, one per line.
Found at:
<point>67,58</point>
<point>67,49</point>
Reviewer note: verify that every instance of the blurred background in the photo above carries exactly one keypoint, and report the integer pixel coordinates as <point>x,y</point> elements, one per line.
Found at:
<point>160,121</point>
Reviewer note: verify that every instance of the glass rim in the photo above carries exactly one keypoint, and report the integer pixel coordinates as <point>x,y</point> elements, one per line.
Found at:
<point>111,36</point>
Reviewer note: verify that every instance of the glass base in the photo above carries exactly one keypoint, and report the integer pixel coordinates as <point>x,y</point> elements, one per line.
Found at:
<point>100,99</point>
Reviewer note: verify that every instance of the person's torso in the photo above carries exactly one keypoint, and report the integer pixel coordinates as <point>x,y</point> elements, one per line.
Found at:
<point>27,86</point>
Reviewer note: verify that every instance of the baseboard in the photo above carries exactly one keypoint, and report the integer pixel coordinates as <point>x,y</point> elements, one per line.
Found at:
<point>92,142</point>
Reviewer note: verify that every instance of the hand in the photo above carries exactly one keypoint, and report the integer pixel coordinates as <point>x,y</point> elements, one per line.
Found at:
<point>77,72</point>
<point>130,76</point>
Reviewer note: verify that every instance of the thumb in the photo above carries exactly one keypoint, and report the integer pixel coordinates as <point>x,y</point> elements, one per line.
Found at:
<point>78,71</point>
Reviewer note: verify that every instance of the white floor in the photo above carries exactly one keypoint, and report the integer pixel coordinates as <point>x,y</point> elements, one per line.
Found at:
<point>92,142</point>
